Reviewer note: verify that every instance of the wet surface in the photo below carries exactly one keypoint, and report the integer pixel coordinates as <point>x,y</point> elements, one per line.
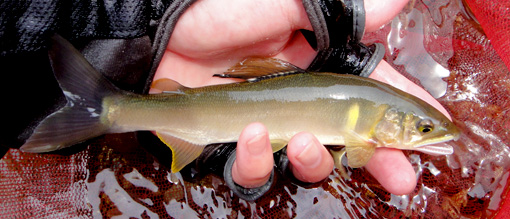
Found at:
<point>406,41</point>
<point>116,176</point>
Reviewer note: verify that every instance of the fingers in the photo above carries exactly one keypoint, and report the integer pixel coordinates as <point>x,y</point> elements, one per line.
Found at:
<point>393,171</point>
<point>254,157</point>
<point>310,160</point>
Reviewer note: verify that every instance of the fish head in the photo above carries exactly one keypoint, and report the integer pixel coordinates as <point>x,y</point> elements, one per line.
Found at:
<point>424,131</point>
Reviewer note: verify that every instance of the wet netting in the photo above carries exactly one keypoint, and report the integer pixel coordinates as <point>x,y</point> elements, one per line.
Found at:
<point>457,50</point>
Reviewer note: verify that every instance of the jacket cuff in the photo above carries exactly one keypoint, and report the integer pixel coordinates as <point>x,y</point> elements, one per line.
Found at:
<point>248,194</point>
<point>355,58</point>
<point>336,22</point>
<point>338,27</point>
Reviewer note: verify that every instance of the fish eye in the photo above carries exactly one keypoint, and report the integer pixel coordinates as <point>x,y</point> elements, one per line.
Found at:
<point>425,126</point>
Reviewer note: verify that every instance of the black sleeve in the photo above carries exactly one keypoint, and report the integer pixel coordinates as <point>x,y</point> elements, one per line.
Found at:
<point>27,25</point>
<point>338,27</point>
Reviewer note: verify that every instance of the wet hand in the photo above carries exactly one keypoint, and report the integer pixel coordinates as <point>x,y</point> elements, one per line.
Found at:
<point>213,35</point>
<point>311,162</point>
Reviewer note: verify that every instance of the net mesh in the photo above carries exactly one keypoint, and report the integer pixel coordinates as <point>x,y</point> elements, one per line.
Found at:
<point>115,176</point>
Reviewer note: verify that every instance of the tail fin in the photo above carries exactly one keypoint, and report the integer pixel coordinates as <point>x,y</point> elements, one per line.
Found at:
<point>82,118</point>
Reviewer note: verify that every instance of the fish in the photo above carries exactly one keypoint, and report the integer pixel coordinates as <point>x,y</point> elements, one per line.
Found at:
<point>358,113</point>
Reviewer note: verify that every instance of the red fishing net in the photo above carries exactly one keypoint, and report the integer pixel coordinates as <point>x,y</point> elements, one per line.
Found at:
<point>435,43</point>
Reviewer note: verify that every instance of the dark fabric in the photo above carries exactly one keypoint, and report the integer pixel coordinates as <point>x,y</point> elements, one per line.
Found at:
<point>338,28</point>
<point>248,194</point>
<point>124,61</point>
<point>25,26</point>
<point>115,36</point>
<point>336,22</point>
<point>319,38</point>
<point>29,92</point>
<point>352,58</point>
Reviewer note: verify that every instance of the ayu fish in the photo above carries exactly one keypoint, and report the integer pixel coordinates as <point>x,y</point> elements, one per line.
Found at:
<point>359,113</point>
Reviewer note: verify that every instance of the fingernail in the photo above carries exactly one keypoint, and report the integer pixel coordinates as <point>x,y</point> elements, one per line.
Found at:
<point>310,155</point>
<point>257,144</point>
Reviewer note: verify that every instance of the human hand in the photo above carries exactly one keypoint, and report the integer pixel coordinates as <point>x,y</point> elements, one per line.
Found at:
<point>212,35</point>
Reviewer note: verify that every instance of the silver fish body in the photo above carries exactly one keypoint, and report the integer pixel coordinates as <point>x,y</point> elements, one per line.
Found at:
<point>318,103</point>
<point>357,112</point>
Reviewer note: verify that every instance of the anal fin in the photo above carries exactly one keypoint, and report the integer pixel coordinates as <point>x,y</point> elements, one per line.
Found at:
<point>183,152</point>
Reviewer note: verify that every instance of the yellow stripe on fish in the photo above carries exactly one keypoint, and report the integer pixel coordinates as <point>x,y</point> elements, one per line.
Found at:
<point>353,116</point>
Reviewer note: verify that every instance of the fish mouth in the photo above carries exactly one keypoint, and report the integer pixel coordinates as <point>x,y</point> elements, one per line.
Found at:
<point>438,146</point>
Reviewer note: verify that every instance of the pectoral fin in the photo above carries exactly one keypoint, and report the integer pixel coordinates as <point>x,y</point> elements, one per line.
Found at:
<point>358,150</point>
<point>183,152</point>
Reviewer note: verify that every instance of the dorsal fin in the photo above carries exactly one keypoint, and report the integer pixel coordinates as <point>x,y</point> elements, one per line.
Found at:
<point>255,69</point>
